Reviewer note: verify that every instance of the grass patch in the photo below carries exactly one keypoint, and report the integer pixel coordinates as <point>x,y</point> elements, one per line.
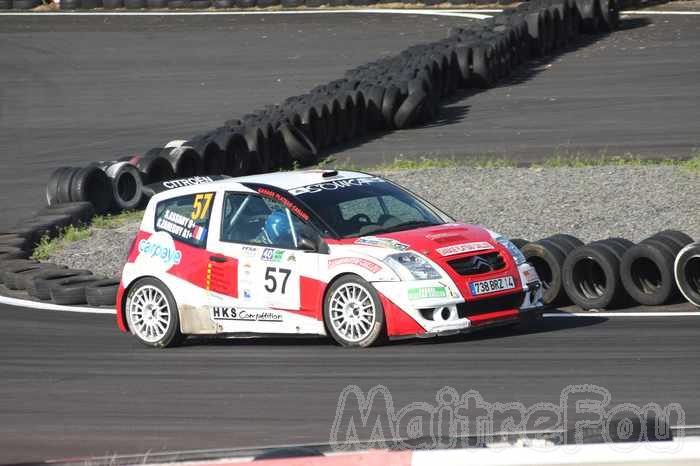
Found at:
<point>49,246</point>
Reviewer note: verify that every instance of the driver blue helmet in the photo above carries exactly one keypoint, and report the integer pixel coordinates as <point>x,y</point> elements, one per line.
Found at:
<point>277,228</point>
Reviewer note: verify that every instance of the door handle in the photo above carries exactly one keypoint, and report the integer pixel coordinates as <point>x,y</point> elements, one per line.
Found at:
<point>217,259</point>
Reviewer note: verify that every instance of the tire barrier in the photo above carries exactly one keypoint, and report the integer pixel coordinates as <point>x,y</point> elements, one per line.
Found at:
<point>547,256</point>
<point>395,92</point>
<point>686,269</point>
<point>127,185</point>
<point>102,292</point>
<point>39,286</point>
<point>71,290</point>
<point>591,274</point>
<point>647,269</point>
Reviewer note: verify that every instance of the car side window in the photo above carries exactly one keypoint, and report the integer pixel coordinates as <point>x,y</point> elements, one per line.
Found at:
<point>186,218</point>
<point>252,219</point>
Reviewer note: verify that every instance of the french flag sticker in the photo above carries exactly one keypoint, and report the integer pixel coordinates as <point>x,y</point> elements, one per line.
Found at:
<point>199,232</point>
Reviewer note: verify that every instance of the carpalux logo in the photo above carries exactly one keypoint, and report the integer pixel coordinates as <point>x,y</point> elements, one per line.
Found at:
<point>159,251</point>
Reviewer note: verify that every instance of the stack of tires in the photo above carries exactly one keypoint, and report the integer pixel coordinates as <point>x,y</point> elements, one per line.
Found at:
<point>396,92</point>
<point>45,281</point>
<point>615,272</point>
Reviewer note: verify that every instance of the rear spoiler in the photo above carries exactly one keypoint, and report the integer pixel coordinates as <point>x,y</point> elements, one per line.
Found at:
<point>161,186</point>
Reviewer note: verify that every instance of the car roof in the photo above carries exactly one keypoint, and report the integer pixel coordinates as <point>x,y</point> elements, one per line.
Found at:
<point>298,178</point>
<point>285,180</point>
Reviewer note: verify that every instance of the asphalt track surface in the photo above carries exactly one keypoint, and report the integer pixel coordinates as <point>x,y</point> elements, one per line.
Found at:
<point>73,386</point>
<point>78,89</point>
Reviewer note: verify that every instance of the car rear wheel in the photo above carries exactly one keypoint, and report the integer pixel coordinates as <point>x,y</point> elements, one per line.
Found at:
<point>353,313</point>
<point>152,314</point>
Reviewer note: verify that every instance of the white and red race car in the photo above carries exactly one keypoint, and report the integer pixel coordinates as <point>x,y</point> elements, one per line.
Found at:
<point>316,252</point>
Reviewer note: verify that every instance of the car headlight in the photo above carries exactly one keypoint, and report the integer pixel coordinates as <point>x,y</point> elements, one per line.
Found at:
<point>410,266</point>
<point>512,249</point>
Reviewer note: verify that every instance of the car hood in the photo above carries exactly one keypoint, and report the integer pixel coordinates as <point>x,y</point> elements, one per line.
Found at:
<point>436,242</point>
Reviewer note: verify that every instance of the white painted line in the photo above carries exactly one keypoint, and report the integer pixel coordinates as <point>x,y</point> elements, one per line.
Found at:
<point>53,307</point>
<point>624,314</point>
<point>453,13</point>
<point>660,12</point>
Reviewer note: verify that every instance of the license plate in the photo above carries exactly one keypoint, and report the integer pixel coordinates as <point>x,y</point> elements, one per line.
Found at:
<point>492,286</point>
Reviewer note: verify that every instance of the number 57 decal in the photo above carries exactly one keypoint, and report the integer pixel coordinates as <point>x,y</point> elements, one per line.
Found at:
<point>201,206</point>
<point>271,279</point>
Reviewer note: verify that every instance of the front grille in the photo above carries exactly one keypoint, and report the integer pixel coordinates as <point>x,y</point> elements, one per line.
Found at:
<point>498,303</point>
<point>477,264</point>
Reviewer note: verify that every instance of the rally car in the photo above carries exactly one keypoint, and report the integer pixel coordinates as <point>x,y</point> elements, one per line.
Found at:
<point>316,252</point>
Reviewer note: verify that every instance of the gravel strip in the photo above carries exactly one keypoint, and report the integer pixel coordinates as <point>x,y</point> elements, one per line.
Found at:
<point>531,203</point>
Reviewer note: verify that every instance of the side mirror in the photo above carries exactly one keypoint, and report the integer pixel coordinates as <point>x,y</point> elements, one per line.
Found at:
<point>305,244</point>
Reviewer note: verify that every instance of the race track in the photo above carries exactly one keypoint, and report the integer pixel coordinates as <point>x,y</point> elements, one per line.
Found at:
<point>90,88</point>
<point>72,385</point>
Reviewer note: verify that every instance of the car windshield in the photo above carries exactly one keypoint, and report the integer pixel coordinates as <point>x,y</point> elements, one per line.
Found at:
<point>367,206</point>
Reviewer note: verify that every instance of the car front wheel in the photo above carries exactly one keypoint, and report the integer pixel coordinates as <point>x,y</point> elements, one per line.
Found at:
<point>353,313</point>
<point>152,314</point>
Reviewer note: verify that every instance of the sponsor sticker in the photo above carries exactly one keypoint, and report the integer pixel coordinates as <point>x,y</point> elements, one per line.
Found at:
<point>464,247</point>
<point>446,237</point>
<point>249,251</point>
<point>272,255</point>
<point>360,262</point>
<point>230,313</point>
<point>168,256</point>
<point>192,181</point>
<point>427,292</point>
<point>296,210</point>
<point>382,243</point>
<point>335,185</point>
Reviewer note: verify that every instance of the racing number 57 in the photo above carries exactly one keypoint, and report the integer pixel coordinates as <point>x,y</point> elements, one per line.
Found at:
<point>201,205</point>
<point>271,282</point>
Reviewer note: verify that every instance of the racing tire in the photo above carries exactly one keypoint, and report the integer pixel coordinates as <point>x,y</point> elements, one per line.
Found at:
<point>155,169</point>
<point>91,184</point>
<point>8,274</point>
<point>4,265</point>
<point>127,186</point>
<point>591,277</point>
<point>151,295</point>
<point>674,236</point>
<point>64,182</point>
<point>223,4</point>
<point>548,259</point>
<point>409,111</point>
<point>156,4</point>
<point>25,4</point>
<point>134,4</point>
<point>71,290</point>
<point>20,279</point>
<point>341,314</point>
<point>299,146</point>
<point>390,104</point>
<point>39,285</point>
<point>11,252</point>
<point>52,185</point>
<point>5,4</point>
<point>14,240</point>
<point>102,292</point>
<point>646,271</point>
<point>686,270</point>
<point>567,241</point>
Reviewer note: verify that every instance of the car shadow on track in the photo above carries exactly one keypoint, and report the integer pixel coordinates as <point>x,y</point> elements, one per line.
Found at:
<point>539,326</point>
